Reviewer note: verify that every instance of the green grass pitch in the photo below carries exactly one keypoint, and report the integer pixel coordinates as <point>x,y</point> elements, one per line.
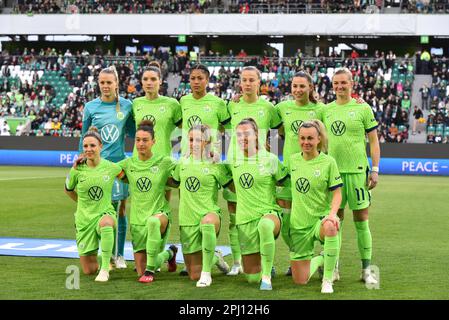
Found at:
<point>408,220</point>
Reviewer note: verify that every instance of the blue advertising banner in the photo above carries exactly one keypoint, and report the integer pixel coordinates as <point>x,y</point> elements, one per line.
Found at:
<point>405,166</point>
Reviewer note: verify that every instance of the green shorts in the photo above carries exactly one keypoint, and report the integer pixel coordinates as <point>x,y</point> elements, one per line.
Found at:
<point>355,191</point>
<point>192,239</point>
<point>88,238</point>
<point>248,235</point>
<point>119,190</point>
<point>302,242</point>
<point>229,196</point>
<point>284,192</point>
<point>139,235</point>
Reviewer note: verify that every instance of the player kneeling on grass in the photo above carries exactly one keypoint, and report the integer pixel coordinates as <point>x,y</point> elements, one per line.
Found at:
<point>199,176</point>
<point>90,184</point>
<point>256,172</point>
<point>148,174</point>
<point>316,190</point>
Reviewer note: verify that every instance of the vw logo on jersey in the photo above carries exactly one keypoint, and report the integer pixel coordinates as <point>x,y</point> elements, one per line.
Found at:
<point>143,184</point>
<point>151,118</point>
<point>338,128</point>
<point>120,115</point>
<point>110,133</point>
<point>295,126</point>
<point>95,193</point>
<point>246,180</point>
<point>194,120</point>
<point>192,184</point>
<point>302,185</point>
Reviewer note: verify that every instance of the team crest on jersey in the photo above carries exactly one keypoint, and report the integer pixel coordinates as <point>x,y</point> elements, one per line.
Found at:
<point>312,114</point>
<point>207,108</point>
<point>109,133</point>
<point>154,169</point>
<point>317,173</point>
<point>162,109</point>
<point>206,170</point>
<point>106,178</point>
<point>352,114</point>
<point>120,115</point>
<point>261,113</point>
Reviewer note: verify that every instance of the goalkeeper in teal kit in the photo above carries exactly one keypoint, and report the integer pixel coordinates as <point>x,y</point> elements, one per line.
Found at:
<point>112,115</point>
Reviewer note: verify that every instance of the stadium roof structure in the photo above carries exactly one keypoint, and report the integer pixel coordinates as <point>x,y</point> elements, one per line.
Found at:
<point>227,24</point>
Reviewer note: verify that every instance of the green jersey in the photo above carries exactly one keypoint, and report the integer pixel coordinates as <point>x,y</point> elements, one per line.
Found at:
<point>209,110</point>
<point>347,126</point>
<point>262,111</point>
<point>199,183</point>
<point>147,182</point>
<point>292,117</point>
<point>312,184</point>
<point>94,189</point>
<point>165,113</point>
<point>255,185</point>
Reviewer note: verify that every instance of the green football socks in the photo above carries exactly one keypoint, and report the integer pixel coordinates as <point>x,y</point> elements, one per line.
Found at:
<point>364,242</point>
<point>234,239</point>
<point>209,242</point>
<point>331,251</point>
<point>315,263</point>
<point>153,242</point>
<point>286,226</point>
<point>267,245</point>
<point>106,243</point>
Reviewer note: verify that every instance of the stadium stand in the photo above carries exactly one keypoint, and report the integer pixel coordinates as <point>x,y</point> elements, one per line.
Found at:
<point>227,6</point>
<point>50,88</point>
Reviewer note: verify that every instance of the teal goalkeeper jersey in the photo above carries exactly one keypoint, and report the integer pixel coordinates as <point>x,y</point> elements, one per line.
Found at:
<point>313,182</point>
<point>255,181</point>
<point>347,126</point>
<point>94,189</point>
<point>292,117</point>
<point>147,182</point>
<point>199,183</point>
<point>113,126</point>
<point>165,113</point>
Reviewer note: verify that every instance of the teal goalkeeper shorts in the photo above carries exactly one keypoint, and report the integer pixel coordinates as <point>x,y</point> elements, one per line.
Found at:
<point>119,190</point>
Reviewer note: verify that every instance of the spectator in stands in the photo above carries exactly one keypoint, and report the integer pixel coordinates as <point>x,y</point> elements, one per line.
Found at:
<point>425,93</point>
<point>417,114</point>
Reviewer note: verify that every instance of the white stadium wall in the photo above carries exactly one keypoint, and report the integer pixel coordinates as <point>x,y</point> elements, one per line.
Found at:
<point>226,24</point>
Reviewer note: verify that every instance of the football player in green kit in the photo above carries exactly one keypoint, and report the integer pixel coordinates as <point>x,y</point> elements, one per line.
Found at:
<point>163,112</point>
<point>150,217</point>
<point>316,192</point>
<point>293,113</point>
<point>250,105</point>
<point>199,178</point>
<point>90,184</point>
<point>256,172</point>
<point>112,115</point>
<point>348,124</point>
<point>198,108</point>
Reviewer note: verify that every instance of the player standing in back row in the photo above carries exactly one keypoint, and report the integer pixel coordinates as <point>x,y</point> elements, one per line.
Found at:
<point>347,124</point>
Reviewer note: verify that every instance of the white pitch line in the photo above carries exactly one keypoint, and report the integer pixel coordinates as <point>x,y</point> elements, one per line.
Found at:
<point>29,178</point>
